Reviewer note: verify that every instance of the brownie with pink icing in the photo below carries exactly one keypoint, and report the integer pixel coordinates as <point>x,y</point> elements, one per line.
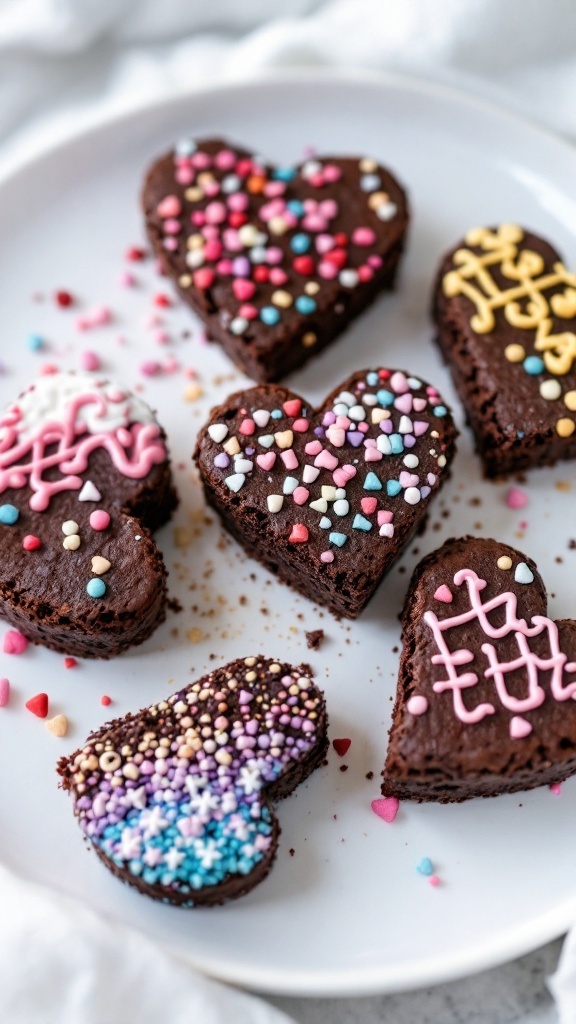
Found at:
<point>328,498</point>
<point>176,800</point>
<point>275,260</point>
<point>84,479</point>
<point>487,681</point>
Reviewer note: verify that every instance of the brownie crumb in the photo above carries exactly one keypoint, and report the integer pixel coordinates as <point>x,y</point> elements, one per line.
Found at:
<point>292,851</point>
<point>343,767</point>
<point>369,776</point>
<point>314,639</point>
<point>174,605</point>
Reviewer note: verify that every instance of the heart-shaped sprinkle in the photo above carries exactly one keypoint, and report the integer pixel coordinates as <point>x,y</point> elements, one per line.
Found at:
<point>38,705</point>
<point>486,686</point>
<point>176,798</point>
<point>57,726</point>
<point>369,488</point>
<point>341,746</point>
<point>523,573</point>
<point>386,808</point>
<point>275,260</point>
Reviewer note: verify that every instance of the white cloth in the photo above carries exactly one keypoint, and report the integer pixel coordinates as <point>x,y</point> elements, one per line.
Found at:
<point>66,62</point>
<point>60,963</point>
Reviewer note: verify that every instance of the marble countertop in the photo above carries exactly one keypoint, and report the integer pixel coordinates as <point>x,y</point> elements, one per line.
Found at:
<point>515,993</point>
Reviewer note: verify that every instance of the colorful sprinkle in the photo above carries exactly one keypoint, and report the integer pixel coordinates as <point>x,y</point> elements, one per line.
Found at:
<point>14,642</point>
<point>99,519</point>
<point>515,498</point>
<point>38,705</point>
<point>523,573</point>
<point>341,746</point>
<point>31,543</point>
<point>425,867</point>
<point>386,808</point>
<point>9,515</point>
<point>96,588</point>
<point>57,726</point>
<point>4,692</point>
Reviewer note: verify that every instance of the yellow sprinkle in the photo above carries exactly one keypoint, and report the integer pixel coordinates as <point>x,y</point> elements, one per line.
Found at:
<point>570,400</point>
<point>275,667</point>
<point>250,677</point>
<point>71,543</point>
<point>311,287</point>
<point>57,726</point>
<point>192,392</point>
<point>185,281</point>
<point>565,427</point>
<point>282,298</point>
<point>504,562</point>
<point>232,447</point>
<point>309,339</point>
<point>377,199</point>
<point>515,353</point>
<point>194,194</point>
<point>249,662</point>
<point>367,164</point>
<point>195,242</point>
<point>100,565</point>
<point>283,438</point>
<point>277,226</point>
<point>380,414</point>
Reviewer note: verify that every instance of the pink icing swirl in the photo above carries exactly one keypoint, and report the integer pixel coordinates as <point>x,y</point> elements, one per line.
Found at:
<point>532,663</point>
<point>133,449</point>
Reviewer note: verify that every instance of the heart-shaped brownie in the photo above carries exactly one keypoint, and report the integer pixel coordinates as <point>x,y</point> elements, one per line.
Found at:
<point>328,498</point>
<point>505,309</point>
<point>486,683</point>
<point>276,260</point>
<point>176,799</point>
<point>84,477</point>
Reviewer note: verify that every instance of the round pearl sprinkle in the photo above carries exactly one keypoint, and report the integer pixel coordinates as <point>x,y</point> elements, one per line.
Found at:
<point>533,365</point>
<point>71,543</point>
<point>31,543</point>
<point>99,519</point>
<point>504,562</point>
<point>417,705</point>
<point>9,515</point>
<point>90,360</point>
<point>515,353</point>
<point>570,400</point>
<point>96,588</point>
<point>515,498</point>
<point>269,315</point>
<point>550,390</point>
<point>565,427</point>
<point>35,342</point>
<point>70,527</point>
<point>305,304</point>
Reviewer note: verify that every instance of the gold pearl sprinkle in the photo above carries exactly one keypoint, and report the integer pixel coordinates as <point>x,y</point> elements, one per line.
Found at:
<point>550,390</point>
<point>570,400</point>
<point>367,164</point>
<point>377,199</point>
<point>309,339</point>
<point>504,562</point>
<point>282,298</point>
<point>185,281</point>
<point>195,242</point>
<point>515,353</point>
<point>565,427</point>
<point>194,194</point>
<point>312,288</point>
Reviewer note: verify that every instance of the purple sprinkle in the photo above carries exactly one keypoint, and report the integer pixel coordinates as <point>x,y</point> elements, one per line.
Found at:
<point>319,431</point>
<point>329,419</point>
<point>425,491</point>
<point>241,266</point>
<point>354,437</point>
<point>386,426</point>
<point>222,460</point>
<point>409,441</point>
<point>249,451</point>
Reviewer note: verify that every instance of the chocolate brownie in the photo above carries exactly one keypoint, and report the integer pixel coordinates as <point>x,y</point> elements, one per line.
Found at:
<point>328,499</point>
<point>275,260</point>
<point>505,310</point>
<point>176,799</point>
<point>84,478</point>
<point>487,682</point>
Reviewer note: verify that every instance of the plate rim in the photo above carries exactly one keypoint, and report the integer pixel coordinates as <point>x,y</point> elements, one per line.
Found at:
<point>519,939</point>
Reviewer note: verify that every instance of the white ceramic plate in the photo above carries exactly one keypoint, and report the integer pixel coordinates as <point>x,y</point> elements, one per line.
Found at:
<point>348,912</point>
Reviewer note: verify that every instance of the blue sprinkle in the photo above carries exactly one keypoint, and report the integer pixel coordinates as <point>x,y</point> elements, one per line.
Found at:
<point>325,523</point>
<point>96,588</point>
<point>304,304</point>
<point>35,342</point>
<point>300,243</point>
<point>337,538</point>
<point>396,444</point>
<point>284,173</point>
<point>533,365</point>
<point>425,867</point>
<point>385,397</point>
<point>372,483</point>
<point>9,515</point>
<point>520,434</point>
<point>361,523</point>
<point>372,379</point>
<point>276,414</point>
<point>393,488</point>
<point>440,410</point>
<point>295,207</point>
<point>269,315</point>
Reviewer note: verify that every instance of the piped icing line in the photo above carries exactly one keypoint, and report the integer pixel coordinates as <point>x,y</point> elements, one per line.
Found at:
<point>78,415</point>
<point>556,663</point>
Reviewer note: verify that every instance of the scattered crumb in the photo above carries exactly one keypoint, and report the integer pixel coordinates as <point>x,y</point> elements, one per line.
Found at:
<point>194,635</point>
<point>314,639</point>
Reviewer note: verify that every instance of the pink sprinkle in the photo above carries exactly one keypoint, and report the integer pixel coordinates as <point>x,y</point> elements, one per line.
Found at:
<point>126,279</point>
<point>100,315</point>
<point>386,808</point>
<point>515,498</point>
<point>170,365</point>
<point>363,236</point>
<point>444,594</point>
<point>162,337</point>
<point>301,495</point>
<point>47,369</point>
<point>150,368</point>
<point>4,692</point>
<point>169,207</point>
<point>99,519</point>
<point>89,360</point>
<point>14,642</point>
<point>434,881</point>
<point>555,788</point>
<point>519,728</point>
<point>327,556</point>
<point>368,505</point>
<point>417,705</point>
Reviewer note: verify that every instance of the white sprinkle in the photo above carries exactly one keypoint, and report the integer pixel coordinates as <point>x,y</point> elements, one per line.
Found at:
<point>235,481</point>
<point>341,507</point>
<point>387,530</point>
<point>348,278</point>
<point>411,461</point>
<point>261,418</point>
<point>523,573</point>
<point>550,390</point>
<point>383,444</point>
<point>325,523</point>
<point>309,474</point>
<point>412,495</point>
<point>386,211</point>
<point>218,432</point>
<point>357,413</point>
<point>242,465</point>
<point>89,492</point>
<point>267,440</point>
<point>274,502</point>
<point>320,505</point>
<point>340,492</point>
<point>405,425</point>
<point>70,527</point>
<point>239,325</point>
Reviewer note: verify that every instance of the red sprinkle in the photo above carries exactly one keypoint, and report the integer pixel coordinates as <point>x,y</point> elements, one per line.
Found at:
<point>64,299</point>
<point>341,746</point>
<point>292,407</point>
<point>70,662</point>
<point>31,543</point>
<point>105,700</point>
<point>299,534</point>
<point>38,705</point>
<point>162,300</point>
<point>135,253</point>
